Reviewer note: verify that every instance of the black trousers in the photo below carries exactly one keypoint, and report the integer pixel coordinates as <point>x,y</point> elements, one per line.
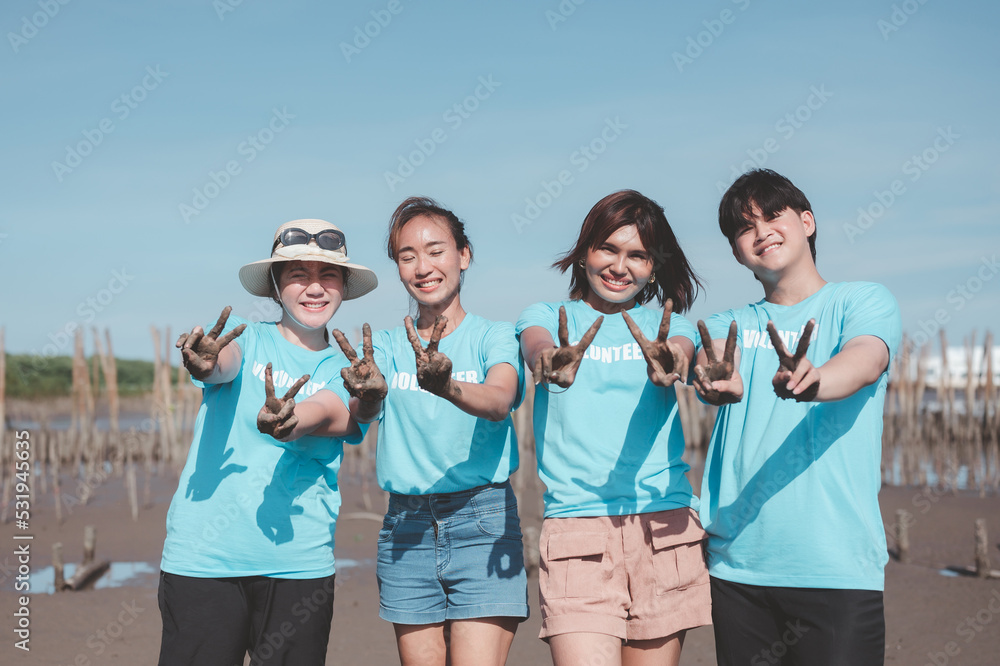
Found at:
<point>218,621</point>
<point>794,626</point>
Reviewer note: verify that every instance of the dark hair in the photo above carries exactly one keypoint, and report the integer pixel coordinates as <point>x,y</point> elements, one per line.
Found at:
<point>415,207</point>
<point>766,190</point>
<point>674,276</point>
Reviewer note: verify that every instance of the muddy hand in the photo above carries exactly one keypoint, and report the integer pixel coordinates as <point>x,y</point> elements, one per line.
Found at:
<point>666,360</point>
<point>362,378</point>
<point>277,417</point>
<point>715,370</point>
<point>200,350</point>
<point>795,371</point>
<point>433,367</point>
<point>558,365</point>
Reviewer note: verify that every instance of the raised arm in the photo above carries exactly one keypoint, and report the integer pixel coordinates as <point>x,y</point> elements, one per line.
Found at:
<point>323,414</point>
<point>717,378</point>
<point>860,362</point>
<point>667,359</point>
<point>208,357</point>
<point>490,400</point>
<point>363,380</point>
<point>551,364</point>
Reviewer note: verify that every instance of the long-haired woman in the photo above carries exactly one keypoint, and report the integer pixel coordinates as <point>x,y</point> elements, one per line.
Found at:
<point>622,573</point>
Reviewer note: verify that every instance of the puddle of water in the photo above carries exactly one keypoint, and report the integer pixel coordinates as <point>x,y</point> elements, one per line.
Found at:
<point>120,574</point>
<point>948,572</point>
<point>141,574</point>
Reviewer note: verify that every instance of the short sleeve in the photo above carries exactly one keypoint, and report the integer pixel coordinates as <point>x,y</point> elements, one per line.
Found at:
<point>246,341</point>
<point>329,373</point>
<point>718,327</point>
<point>539,314</point>
<point>680,326</point>
<point>500,345</point>
<point>871,309</point>
<point>381,350</point>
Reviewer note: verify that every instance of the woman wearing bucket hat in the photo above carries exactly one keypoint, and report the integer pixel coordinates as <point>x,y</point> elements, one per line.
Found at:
<point>250,528</point>
<point>449,552</point>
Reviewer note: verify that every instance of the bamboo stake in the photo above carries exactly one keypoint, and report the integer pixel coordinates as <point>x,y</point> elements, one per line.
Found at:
<point>982,549</point>
<point>3,396</point>
<point>57,567</point>
<point>89,570</point>
<point>4,468</point>
<point>903,535</point>
<point>54,469</point>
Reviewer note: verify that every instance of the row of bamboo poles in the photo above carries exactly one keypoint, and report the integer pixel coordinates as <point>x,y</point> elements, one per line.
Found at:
<point>930,438</point>
<point>947,443</point>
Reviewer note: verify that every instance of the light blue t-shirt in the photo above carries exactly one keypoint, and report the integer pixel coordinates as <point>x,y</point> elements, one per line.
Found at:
<point>247,504</point>
<point>610,444</point>
<point>425,443</point>
<point>790,493</point>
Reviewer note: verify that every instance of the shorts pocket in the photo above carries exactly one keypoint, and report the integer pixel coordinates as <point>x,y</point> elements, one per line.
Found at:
<point>678,544</point>
<point>574,564</point>
<point>500,524</point>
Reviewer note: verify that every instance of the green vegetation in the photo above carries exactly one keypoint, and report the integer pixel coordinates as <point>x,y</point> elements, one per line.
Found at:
<point>30,376</point>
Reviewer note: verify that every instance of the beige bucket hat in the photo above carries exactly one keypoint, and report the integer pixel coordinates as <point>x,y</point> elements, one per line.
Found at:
<point>256,277</point>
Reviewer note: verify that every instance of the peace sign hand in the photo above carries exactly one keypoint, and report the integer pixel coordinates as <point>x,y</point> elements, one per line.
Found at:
<point>362,379</point>
<point>558,365</point>
<point>666,361</point>
<point>796,378</point>
<point>433,367</point>
<point>717,381</point>
<point>277,417</point>
<point>200,350</point>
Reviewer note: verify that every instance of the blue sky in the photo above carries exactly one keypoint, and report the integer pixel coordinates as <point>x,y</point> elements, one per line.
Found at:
<point>124,117</point>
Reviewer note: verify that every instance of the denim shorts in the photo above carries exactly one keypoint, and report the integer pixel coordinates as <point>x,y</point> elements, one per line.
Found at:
<point>452,556</point>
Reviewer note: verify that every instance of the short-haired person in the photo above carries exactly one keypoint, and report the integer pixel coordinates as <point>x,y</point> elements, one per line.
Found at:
<point>623,573</point>
<point>796,544</point>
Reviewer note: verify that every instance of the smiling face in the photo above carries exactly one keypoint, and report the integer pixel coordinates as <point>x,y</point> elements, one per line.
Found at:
<point>311,291</point>
<point>429,261</point>
<point>617,270</point>
<point>772,247</point>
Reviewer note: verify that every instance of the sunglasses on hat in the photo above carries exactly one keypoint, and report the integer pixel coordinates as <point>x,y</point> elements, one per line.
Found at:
<point>328,239</point>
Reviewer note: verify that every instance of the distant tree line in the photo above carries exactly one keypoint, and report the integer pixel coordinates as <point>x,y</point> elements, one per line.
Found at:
<point>33,376</point>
